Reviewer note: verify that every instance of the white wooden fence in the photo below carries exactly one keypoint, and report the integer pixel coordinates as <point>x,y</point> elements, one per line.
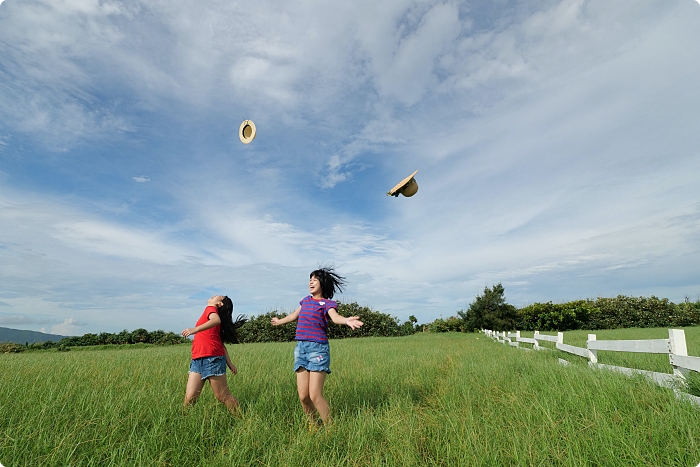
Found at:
<point>674,346</point>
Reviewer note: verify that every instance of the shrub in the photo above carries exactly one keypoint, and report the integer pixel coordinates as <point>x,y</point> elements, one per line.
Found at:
<point>451,324</point>
<point>556,317</point>
<point>259,329</point>
<point>608,313</point>
<point>11,347</point>
<point>376,324</point>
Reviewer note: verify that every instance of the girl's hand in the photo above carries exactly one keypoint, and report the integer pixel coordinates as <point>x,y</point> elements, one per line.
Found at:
<point>354,322</point>
<point>188,332</point>
<point>233,368</point>
<point>275,321</point>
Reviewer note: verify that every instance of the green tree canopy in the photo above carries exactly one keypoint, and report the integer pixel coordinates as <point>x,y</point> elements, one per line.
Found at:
<point>490,311</point>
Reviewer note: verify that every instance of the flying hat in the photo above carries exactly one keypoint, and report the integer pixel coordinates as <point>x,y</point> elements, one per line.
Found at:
<point>247,131</point>
<point>407,187</point>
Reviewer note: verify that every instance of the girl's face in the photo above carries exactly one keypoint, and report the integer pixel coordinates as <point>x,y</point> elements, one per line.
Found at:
<point>315,287</point>
<point>216,300</point>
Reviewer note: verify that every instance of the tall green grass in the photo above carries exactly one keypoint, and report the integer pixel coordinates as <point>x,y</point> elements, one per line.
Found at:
<point>428,399</point>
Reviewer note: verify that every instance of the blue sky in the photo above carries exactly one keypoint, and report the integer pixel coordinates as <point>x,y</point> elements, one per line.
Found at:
<point>557,144</point>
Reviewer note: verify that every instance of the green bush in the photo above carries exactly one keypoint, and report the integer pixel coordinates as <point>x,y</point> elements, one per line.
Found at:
<point>41,345</point>
<point>138,336</point>
<point>259,329</point>
<point>376,324</point>
<point>11,347</point>
<point>451,324</point>
<point>608,313</point>
<point>556,317</point>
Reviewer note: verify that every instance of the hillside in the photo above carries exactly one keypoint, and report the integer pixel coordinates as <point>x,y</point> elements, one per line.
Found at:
<point>19,336</point>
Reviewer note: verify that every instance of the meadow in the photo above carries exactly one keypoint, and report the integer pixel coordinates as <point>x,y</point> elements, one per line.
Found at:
<point>427,399</point>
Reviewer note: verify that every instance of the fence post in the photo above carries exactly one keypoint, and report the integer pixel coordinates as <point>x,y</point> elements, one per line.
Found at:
<point>517,336</point>
<point>676,344</point>
<point>592,354</point>
<point>537,345</point>
<point>560,338</point>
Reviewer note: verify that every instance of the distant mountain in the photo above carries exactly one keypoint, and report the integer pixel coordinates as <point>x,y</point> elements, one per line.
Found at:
<point>19,336</point>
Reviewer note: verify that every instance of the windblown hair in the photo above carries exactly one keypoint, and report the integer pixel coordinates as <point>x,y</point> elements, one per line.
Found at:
<point>330,281</point>
<point>229,328</point>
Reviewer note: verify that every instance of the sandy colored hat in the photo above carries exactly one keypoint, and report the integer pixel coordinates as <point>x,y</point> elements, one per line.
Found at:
<point>247,131</point>
<point>407,187</point>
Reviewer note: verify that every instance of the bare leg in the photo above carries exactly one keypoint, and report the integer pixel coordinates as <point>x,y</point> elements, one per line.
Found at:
<point>194,389</point>
<point>220,387</point>
<point>316,381</point>
<point>304,398</point>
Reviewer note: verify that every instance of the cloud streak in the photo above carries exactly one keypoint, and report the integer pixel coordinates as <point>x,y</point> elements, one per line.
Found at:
<point>556,144</point>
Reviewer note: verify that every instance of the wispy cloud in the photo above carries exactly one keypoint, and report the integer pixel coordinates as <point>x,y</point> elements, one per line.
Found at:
<point>13,320</point>
<point>553,154</point>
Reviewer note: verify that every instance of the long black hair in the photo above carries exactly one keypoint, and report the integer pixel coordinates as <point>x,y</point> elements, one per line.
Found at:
<point>330,281</point>
<point>229,328</point>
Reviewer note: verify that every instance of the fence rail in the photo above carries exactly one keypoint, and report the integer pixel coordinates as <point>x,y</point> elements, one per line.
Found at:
<point>674,346</point>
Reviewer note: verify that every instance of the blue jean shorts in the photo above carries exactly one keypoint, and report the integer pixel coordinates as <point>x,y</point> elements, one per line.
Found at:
<point>209,366</point>
<point>312,356</point>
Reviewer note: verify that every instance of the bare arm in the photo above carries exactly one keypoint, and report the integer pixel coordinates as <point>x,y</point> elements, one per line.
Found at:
<point>353,321</point>
<point>287,319</point>
<point>230,364</point>
<point>213,321</point>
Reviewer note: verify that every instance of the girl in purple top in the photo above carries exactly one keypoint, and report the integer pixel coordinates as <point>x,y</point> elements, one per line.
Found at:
<point>312,357</point>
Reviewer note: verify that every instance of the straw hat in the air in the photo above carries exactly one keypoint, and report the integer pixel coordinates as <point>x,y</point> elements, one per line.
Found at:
<point>407,187</point>
<point>247,131</point>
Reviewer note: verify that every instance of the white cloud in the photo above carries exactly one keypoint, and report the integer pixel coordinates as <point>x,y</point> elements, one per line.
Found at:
<point>68,327</point>
<point>410,72</point>
<point>114,240</point>
<point>555,142</point>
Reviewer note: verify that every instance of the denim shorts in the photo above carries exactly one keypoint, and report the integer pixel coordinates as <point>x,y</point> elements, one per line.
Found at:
<point>209,366</point>
<point>312,356</point>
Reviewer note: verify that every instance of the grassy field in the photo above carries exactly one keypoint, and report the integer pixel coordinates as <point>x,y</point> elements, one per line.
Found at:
<point>428,399</point>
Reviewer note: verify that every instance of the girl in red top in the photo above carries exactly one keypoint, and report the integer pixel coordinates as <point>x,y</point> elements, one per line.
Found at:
<point>209,355</point>
<point>312,355</point>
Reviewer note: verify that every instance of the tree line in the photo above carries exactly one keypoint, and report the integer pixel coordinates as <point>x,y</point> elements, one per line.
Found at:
<point>256,329</point>
<point>489,310</point>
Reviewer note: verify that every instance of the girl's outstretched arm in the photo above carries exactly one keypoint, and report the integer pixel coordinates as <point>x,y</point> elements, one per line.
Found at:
<point>213,321</point>
<point>287,319</point>
<point>353,321</point>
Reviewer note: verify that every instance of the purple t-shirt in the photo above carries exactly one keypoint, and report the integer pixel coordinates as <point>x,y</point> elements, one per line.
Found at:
<point>312,324</point>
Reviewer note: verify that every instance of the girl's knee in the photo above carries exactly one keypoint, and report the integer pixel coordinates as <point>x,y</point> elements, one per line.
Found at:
<point>304,394</point>
<point>227,399</point>
<point>305,398</point>
<point>317,399</point>
<point>223,395</point>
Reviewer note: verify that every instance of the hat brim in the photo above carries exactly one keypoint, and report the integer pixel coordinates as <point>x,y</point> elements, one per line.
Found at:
<point>401,185</point>
<point>247,134</point>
